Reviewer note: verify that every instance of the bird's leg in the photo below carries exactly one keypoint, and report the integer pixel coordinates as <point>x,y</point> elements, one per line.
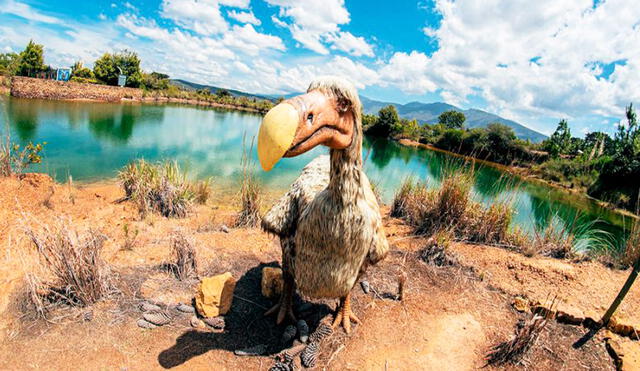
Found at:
<point>284,308</point>
<point>344,315</point>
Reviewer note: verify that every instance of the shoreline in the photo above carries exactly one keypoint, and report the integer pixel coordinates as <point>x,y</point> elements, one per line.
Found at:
<point>522,173</point>
<point>32,88</point>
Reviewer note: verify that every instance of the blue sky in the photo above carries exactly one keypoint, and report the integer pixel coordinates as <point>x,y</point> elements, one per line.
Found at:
<point>533,62</point>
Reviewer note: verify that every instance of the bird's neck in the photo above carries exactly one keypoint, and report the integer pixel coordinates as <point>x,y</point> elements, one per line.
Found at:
<point>345,183</point>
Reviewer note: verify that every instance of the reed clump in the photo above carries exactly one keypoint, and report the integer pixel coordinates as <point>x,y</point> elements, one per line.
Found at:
<point>632,246</point>
<point>79,275</point>
<point>250,193</point>
<point>184,256</point>
<point>451,208</point>
<point>162,187</point>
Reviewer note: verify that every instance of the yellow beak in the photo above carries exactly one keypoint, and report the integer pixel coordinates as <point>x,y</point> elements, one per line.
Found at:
<point>276,134</point>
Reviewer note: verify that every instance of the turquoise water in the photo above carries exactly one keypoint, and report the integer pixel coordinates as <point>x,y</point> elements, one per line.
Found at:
<point>92,141</point>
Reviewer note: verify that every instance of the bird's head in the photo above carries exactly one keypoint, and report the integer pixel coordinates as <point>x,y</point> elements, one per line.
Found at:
<point>328,114</point>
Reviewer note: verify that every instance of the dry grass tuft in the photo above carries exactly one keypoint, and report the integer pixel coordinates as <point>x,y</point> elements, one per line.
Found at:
<point>79,275</point>
<point>184,253</point>
<point>451,209</point>
<point>513,351</point>
<point>162,187</point>
<point>437,252</point>
<point>412,202</point>
<point>250,193</point>
<point>632,246</point>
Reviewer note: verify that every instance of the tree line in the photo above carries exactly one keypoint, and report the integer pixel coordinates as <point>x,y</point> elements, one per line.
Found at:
<point>606,167</point>
<point>107,68</point>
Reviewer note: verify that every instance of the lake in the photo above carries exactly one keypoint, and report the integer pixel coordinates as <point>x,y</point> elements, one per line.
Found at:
<point>92,141</point>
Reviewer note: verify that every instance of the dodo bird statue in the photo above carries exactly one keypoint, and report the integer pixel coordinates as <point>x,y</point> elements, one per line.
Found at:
<point>329,221</point>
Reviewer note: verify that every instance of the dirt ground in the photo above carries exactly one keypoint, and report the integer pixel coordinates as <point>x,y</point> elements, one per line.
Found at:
<point>449,317</point>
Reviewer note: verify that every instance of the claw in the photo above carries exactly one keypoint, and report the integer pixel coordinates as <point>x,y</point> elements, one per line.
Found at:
<point>344,315</point>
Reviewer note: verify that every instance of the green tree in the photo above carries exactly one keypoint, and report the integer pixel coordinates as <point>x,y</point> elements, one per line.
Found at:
<point>31,59</point>
<point>9,63</point>
<point>560,141</point>
<point>387,121</point>
<point>155,81</point>
<point>452,119</point>
<point>79,70</point>
<point>109,66</point>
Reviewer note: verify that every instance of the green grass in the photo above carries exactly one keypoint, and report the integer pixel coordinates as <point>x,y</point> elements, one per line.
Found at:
<point>162,187</point>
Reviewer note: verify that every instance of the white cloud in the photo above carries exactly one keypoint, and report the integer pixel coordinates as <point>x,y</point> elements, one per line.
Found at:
<point>486,48</point>
<point>346,42</point>
<point>246,39</point>
<point>244,17</point>
<point>278,22</point>
<point>315,23</point>
<point>200,16</point>
<point>102,17</point>
<point>27,12</point>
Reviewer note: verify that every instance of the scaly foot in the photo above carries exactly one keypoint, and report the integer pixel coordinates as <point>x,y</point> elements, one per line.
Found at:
<point>284,308</point>
<point>344,315</point>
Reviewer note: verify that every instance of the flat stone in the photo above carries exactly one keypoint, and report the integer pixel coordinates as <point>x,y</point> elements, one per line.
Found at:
<point>215,294</point>
<point>272,282</point>
<point>568,318</point>
<point>520,304</point>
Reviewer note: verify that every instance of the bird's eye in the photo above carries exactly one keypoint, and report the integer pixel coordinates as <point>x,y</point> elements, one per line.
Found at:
<point>310,118</point>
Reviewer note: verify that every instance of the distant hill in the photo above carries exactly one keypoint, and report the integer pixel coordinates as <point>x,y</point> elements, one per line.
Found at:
<point>188,85</point>
<point>429,112</point>
<point>423,112</point>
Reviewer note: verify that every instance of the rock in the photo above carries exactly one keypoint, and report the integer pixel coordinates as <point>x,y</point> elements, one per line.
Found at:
<point>196,322</point>
<point>520,304</point>
<point>215,294</point>
<point>615,351</point>
<point>145,306</point>
<point>303,330</point>
<point>622,329</point>
<point>157,318</point>
<point>217,323</point>
<point>252,351</point>
<point>366,288</point>
<point>289,333</point>
<point>145,324</point>
<point>184,308</point>
<point>272,282</point>
<point>224,228</point>
<point>568,318</point>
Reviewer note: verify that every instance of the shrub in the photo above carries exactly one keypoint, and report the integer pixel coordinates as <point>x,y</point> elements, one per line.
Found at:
<point>14,159</point>
<point>80,276</point>
<point>161,187</point>
<point>451,203</point>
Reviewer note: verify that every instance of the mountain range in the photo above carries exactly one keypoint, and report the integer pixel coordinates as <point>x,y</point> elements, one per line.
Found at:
<point>423,112</point>
<point>429,112</point>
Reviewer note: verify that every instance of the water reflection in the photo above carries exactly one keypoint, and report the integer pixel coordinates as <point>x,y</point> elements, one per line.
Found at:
<point>93,140</point>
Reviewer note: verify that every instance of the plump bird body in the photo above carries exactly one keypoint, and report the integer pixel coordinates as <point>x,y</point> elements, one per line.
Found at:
<point>329,222</point>
<point>326,243</point>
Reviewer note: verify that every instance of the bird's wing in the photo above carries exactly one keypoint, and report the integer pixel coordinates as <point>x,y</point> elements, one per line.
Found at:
<point>282,218</point>
<point>379,246</point>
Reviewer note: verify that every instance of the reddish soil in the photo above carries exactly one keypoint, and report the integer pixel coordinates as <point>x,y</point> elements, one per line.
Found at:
<point>448,319</point>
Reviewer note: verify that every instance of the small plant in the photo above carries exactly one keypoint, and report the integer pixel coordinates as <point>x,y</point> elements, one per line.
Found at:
<point>184,254</point>
<point>436,252</point>
<point>129,237</point>
<point>80,276</point>
<point>513,350</point>
<point>250,193</point>
<point>15,159</point>
<point>202,191</point>
<point>161,187</point>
